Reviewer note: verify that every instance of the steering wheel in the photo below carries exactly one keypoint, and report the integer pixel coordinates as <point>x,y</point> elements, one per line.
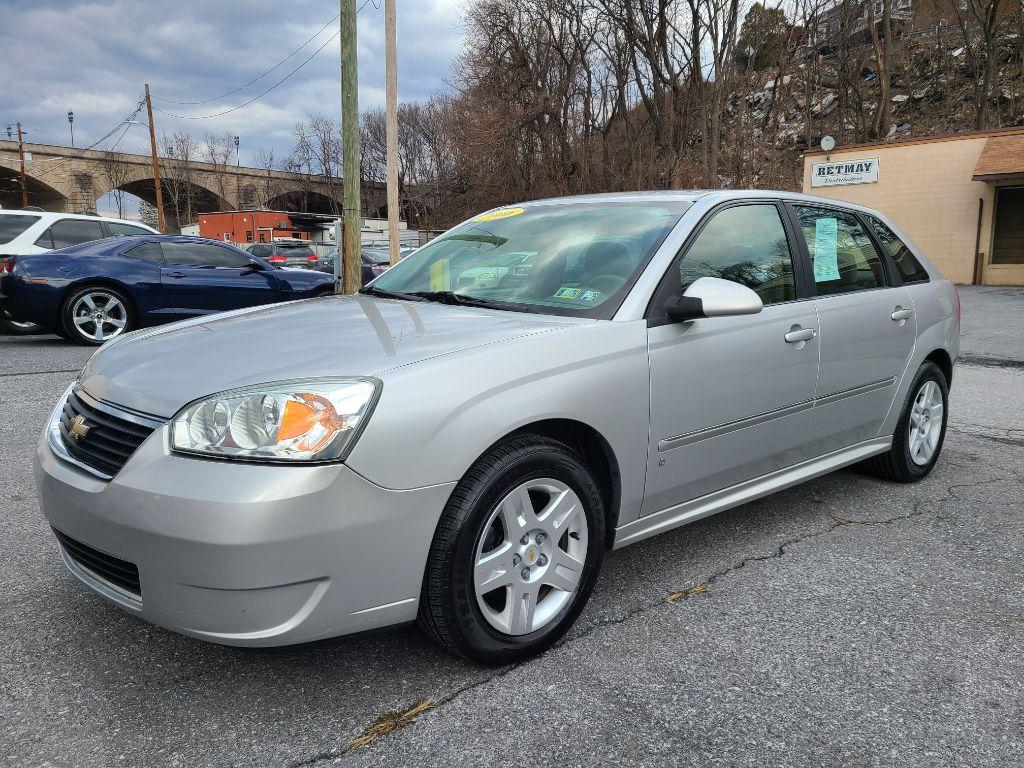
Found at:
<point>606,284</point>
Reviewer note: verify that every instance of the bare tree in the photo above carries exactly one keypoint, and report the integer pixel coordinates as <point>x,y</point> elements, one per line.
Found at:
<point>117,173</point>
<point>178,156</point>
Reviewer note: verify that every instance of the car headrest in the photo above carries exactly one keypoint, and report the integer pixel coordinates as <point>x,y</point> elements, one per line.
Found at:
<point>607,258</point>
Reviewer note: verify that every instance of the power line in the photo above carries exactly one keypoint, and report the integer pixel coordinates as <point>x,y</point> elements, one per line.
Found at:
<point>257,97</point>
<point>254,98</point>
<point>255,79</point>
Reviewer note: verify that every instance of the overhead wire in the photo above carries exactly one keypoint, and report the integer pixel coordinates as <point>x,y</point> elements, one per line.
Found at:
<point>255,79</point>
<point>257,97</point>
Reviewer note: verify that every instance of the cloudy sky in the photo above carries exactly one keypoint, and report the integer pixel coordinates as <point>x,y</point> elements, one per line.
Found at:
<point>93,56</point>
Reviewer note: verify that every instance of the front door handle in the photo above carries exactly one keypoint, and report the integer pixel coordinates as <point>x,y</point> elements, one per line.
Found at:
<point>900,313</point>
<point>800,334</point>
<point>176,275</point>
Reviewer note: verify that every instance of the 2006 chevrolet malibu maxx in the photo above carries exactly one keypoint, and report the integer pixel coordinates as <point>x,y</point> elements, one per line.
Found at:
<point>461,442</point>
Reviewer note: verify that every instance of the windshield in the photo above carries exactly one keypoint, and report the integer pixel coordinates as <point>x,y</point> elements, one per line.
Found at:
<point>561,258</point>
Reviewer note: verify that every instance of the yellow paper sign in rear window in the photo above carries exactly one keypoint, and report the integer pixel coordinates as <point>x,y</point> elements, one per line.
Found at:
<point>501,213</point>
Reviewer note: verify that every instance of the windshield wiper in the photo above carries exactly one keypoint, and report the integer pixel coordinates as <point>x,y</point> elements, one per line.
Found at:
<point>381,293</point>
<point>459,299</point>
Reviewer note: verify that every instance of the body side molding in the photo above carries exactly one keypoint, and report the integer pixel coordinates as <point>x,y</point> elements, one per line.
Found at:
<point>707,433</point>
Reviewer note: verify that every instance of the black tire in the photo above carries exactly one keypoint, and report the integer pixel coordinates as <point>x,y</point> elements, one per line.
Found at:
<point>449,613</point>
<point>897,463</point>
<point>11,328</point>
<point>76,334</point>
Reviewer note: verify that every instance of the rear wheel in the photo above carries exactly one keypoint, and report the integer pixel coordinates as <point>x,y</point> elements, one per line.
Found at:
<point>920,432</point>
<point>516,553</point>
<point>95,315</point>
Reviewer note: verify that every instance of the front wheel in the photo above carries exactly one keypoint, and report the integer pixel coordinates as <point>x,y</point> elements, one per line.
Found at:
<point>516,553</point>
<point>95,315</point>
<point>920,432</point>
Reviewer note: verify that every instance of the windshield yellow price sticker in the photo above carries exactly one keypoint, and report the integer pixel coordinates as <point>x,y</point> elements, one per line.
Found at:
<point>503,213</point>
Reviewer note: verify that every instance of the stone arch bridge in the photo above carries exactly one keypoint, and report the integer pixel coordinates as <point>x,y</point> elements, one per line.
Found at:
<point>73,180</point>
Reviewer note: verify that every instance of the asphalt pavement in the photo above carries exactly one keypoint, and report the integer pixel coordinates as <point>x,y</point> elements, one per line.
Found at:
<point>845,622</point>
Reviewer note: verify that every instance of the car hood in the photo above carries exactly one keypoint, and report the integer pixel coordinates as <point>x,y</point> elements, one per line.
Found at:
<point>157,371</point>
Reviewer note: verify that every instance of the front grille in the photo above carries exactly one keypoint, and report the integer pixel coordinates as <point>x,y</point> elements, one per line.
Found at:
<point>107,442</point>
<point>111,569</point>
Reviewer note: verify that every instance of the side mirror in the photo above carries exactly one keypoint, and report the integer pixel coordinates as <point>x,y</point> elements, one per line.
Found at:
<point>713,297</point>
<point>254,266</point>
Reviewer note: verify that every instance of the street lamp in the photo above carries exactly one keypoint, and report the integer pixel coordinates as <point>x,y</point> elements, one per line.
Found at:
<point>236,152</point>
<point>71,122</point>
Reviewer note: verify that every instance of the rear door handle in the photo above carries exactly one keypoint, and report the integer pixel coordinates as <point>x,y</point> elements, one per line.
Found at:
<point>801,334</point>
<point>901,314</point>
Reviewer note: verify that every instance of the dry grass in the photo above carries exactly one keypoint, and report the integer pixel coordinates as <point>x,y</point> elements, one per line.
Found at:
<point>686,594</point>
<point>390,722</point>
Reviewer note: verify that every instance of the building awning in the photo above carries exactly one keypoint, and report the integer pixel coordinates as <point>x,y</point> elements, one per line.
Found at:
<point>1002,158</point>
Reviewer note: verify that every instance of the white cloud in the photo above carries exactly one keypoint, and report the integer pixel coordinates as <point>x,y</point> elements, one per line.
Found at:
<point>93,56</point>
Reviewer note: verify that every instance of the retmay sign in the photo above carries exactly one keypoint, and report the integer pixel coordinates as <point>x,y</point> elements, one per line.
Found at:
<point>864,171</point>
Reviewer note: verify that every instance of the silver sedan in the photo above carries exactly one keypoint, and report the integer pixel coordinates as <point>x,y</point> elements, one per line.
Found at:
<point>462,453</point>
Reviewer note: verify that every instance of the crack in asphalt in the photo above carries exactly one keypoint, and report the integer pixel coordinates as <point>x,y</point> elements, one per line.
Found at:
<point>990,362</point>
<point>8,374</point>
<point>695,590</point>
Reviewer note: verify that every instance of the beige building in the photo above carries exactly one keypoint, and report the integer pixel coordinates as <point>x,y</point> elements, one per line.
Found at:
<point>959,198</point>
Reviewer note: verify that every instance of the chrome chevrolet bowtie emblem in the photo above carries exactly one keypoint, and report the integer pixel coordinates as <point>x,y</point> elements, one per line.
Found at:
<point>78,428</point>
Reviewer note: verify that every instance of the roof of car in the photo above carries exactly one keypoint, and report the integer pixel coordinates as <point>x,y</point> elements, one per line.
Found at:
<point>692,195</point>
<point>60,215</point>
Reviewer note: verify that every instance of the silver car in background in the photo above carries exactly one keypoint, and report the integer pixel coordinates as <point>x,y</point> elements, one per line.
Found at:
<point>462,453</point>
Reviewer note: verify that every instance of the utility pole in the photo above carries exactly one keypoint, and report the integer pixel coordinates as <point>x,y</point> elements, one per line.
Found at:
<point>352,274</point>
<point>391,125</point>
<point>238,181</point>
<point>156,165</point>
<point>21,157</point>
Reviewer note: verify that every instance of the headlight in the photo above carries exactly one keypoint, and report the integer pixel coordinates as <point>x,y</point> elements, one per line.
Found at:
<point>285,421</point>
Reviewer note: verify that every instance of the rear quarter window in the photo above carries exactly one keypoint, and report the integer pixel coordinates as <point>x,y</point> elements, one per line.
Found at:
<point>907,264</point>
<point>13,224</point>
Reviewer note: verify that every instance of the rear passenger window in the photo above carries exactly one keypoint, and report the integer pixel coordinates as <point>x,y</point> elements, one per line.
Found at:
<point>13,224</point>
<point>203,254</point>
<point>146,252</point>
<point>843,256</point>
<point>906,263</point>
<point>68,232</point>
<point>126,229</point>
<point>746,244</point>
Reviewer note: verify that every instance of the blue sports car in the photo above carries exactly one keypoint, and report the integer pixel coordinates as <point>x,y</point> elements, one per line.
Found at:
<point>92,292</point>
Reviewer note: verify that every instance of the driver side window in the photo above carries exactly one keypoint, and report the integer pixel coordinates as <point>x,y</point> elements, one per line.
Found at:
<point>746,244</point>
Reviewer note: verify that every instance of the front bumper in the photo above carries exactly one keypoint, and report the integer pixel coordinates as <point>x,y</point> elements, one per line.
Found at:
<point>246,554</point>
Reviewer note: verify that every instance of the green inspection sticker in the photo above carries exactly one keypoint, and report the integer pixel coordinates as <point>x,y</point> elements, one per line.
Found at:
<point>578,294</point>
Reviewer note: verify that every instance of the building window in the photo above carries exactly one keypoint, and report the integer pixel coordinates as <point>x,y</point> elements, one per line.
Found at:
<point>263,237</point>
<point>297,235</point>
<point>248,235</point>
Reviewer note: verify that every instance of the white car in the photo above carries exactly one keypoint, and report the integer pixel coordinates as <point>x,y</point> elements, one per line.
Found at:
<point>25,232</point>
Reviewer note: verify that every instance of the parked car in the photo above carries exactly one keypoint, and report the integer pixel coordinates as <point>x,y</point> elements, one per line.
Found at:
<point>464,458</point>
<point>286,253</point>
<point>93,292</point>
<point>374,263</point>
<point>26,232</point>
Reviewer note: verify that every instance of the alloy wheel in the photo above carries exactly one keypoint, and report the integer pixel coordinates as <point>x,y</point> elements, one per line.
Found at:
<point>99,315</point>
<point>530,558</point>
<point>925,426</point>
